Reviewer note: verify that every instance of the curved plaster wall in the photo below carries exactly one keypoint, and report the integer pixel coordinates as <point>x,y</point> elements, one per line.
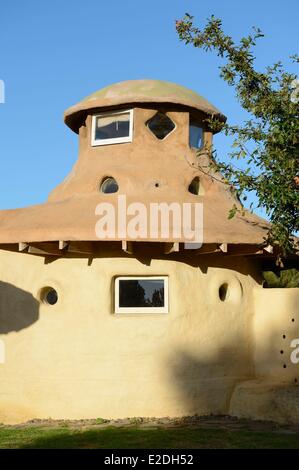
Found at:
<point>274,394</point>
<point>77,359</point>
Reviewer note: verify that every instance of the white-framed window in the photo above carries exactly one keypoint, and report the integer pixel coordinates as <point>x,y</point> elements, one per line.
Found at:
<point>112,128</point>
<point>140,294</point>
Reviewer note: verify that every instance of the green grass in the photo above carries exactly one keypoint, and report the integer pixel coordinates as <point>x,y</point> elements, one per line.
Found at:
<point>135,437</point>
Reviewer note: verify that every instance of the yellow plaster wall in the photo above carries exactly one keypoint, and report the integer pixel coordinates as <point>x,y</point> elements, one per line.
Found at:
<point>78,359</point>
<point>276,324</point>
<point>274,393</point>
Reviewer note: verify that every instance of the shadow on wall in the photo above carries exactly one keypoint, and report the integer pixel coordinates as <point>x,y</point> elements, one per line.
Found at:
<point>256,380</point>
<point>18,308</point>
<point>205,385</point>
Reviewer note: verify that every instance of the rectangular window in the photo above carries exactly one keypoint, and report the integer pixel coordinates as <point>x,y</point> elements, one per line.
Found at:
<point>195,134</point>
<point>112,128</point>
<point>141,294</point>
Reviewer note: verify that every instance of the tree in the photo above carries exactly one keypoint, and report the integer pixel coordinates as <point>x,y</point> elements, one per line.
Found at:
<point>286,278</point>
<point>268,141</point>
<point>132,292</point>
<point>158,298</point>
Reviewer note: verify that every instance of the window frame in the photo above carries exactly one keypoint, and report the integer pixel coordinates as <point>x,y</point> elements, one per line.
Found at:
<point>117,140</point>
<point>124,310</point>
<point>153,134</point>
<point>201,126</point>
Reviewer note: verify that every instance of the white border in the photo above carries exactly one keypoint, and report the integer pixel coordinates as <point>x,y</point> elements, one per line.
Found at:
<point>145,310</point>
<point>117,140</point>
<point>153,134</point>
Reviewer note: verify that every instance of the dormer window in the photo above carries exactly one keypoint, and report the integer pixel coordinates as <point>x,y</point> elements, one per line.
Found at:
<point>195,133</point>
<point>112,128</point>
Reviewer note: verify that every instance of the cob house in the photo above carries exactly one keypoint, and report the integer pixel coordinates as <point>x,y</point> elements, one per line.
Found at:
<point>95,321</point>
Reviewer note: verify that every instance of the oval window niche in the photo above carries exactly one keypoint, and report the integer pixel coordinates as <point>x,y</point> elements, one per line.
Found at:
<point>195,187</point>
<point>230,290</point>
<point>225,289</point>
<point>109,185</point>
<point>48,296</point>
<point>223,292</point>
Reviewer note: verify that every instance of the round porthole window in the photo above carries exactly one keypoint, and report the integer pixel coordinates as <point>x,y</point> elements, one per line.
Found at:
<point>48,296</point>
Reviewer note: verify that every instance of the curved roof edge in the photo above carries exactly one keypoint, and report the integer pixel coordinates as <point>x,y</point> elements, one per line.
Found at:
<point>138,92</point>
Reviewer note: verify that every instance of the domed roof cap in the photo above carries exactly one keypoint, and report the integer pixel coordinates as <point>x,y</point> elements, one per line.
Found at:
<point>137,92</point>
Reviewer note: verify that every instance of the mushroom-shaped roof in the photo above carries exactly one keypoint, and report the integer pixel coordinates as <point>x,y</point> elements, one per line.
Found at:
<point>136,92</point>
<point>167,169</point>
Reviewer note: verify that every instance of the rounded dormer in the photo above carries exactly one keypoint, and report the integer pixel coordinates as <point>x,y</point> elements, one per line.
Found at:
<point>132,93</point>
<point>145,135</point>
<point>141,143</point>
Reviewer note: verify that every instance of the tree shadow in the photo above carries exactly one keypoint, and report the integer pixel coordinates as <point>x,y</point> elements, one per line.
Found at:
<point>205,385</point>
<point>18,308</point>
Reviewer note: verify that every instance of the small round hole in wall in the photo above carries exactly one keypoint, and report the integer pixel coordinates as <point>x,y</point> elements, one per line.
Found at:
<point>223,292</point>
<point>284,336</point>
<point>157,185</point>
<point>293,319</point>
<point>48,296</point>
<point>284,366</point>
<point>281,352</point>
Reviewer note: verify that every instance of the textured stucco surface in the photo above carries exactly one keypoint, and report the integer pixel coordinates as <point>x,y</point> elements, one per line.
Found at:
<point>276,324</point>
<point>69,214</point>
<point>139,91</point>
<point>274,394</point>
<point>266,400</point>
<point>77,359</point>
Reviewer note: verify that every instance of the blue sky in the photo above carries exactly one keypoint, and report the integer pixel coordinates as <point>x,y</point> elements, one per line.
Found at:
<point>55,53</point>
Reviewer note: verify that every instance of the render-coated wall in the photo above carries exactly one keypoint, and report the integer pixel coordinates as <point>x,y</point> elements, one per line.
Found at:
<point>276,325</point>
<point>274,393</point>
<point>77,359</point>
<point>138,165</point>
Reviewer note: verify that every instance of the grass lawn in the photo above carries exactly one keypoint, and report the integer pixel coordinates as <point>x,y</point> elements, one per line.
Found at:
<point>111,437</point>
